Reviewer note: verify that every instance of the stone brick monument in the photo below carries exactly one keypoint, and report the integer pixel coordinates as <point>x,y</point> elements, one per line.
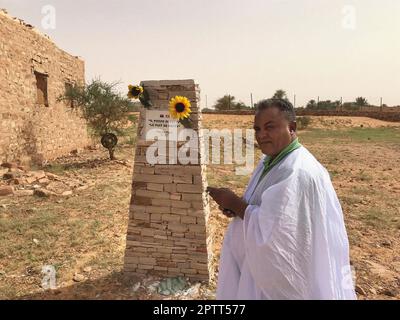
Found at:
<point>169,206</point>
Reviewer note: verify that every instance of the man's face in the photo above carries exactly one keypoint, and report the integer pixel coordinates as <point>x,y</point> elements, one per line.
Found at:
<point>272,131</point>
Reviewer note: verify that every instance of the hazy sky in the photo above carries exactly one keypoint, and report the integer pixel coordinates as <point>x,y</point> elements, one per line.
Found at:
<point>326,48</point>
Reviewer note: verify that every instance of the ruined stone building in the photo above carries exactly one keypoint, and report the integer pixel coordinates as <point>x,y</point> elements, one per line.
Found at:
<point>34,72</point>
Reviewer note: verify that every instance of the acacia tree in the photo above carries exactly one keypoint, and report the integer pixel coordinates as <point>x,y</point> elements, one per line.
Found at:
<point>361,101</point>
<point>105,110</point>
<point>228,102</point>
<point>312,104</point>
<point>280,94</point>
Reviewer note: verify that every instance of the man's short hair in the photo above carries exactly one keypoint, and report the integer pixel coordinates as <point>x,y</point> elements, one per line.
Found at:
<point>283,105</point>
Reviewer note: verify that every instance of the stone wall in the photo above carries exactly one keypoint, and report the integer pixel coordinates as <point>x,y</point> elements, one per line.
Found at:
<point>169,207</point>
<point>380,109</point>
<point>386,115</point>
<point>31,128</point>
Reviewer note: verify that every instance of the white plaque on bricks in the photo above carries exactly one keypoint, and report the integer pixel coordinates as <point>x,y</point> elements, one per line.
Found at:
<point>158,123</point>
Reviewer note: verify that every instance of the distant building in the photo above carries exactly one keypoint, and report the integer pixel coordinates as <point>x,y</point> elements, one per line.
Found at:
<point>34,72</point>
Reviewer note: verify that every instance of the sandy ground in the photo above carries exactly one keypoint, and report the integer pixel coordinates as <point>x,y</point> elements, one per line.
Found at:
<point>84,235</point>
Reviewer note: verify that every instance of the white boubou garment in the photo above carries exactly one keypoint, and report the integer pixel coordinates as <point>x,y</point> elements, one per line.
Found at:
<point>292,243</point>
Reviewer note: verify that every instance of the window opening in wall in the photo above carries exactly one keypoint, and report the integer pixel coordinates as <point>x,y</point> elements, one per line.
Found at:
<point>41,88</point>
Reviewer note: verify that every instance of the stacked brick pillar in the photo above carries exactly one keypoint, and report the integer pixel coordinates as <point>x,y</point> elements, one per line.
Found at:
<point>169,207</point>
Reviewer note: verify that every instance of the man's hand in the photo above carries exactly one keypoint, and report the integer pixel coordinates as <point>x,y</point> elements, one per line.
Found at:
<point>228,213</point>
<point>228,200</point>
<point>224,197</point>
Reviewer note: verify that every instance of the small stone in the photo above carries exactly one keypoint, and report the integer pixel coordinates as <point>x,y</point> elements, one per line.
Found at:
<point>11,175</point>
<point>193,292</point>
<point>87,269</point>
<point>18,181</point>
<point>136,287</point>
<point>9,165</point>
<point>373,291</point>
<point>152,288</point>
<point>82,188</point>
<point>30,180</point>
<point>36,241</point>
<point>386,243</point>
<point>52,176</point>
<point>165,292</point>
<point>24,193</point>
<point>43,193</point>
<point>39,174</point>
<point>93,147</point>
<point>6,191</point>
<point>79,277</point>
<point>67,193</point>
<point>360,290</point>
<point>44,181</point>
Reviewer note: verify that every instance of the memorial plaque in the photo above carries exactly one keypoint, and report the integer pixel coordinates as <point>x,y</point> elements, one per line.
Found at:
<point>161,122</point>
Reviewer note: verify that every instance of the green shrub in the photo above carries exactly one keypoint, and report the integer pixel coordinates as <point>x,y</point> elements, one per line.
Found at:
<point>303,122</point>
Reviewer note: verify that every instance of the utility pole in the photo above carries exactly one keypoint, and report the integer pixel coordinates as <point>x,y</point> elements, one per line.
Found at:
<point>381,104</point>
<point>229,102</point>
<point>341,103</point>
<point>294,101</point>
<point>251,99</point>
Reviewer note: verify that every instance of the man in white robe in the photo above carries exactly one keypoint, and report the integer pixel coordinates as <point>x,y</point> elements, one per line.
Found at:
<point>287,239</point>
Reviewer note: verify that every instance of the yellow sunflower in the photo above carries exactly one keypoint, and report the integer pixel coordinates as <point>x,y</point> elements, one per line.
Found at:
<point>179,107</point>
<point>134,91</point>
